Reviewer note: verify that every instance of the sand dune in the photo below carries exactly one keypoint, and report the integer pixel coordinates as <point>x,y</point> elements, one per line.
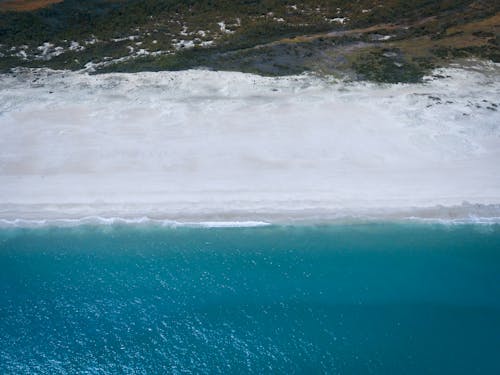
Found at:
<point>220,145</point>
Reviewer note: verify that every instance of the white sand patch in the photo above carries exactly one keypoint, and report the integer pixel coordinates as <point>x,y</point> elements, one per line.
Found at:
<point>340,20</point>
<point>223,28</point>
<point>75,46</point>
<point>220,144</point>
<point>184,44</point>
<point>48,51</point>
<point>207,43</point>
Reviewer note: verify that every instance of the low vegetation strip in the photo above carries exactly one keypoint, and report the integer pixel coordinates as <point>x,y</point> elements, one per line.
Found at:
<point>382,40</point>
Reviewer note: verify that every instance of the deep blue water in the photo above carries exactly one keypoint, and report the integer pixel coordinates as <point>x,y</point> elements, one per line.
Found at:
<point>339,299</point>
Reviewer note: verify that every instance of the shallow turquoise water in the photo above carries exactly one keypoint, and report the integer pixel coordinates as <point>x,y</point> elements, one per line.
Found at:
<point>340,299</point>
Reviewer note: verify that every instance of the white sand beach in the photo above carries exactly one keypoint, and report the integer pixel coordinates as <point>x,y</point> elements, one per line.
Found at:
<point>199,145</point>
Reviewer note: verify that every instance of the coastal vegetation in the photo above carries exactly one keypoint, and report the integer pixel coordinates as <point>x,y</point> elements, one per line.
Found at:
<point>381,40</point>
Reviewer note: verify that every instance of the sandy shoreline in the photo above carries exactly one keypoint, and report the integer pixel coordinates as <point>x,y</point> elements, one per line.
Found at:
<point>70,215</point>
<point>219,146</point>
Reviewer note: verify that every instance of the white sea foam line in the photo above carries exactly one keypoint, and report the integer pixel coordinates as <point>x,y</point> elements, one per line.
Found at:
<point>340,220</point>
<point>128,221</point>
<point>459,221</point>
<point>229,224</point>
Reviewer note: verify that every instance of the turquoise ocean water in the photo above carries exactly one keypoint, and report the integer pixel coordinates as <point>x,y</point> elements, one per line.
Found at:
<point>375,298</point>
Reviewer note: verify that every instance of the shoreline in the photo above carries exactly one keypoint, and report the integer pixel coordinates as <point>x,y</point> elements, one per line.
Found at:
<point>200,146</point>
<point>69,216</point>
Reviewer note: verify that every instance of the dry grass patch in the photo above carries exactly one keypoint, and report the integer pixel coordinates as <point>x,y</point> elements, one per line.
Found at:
<point>25,5</point>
